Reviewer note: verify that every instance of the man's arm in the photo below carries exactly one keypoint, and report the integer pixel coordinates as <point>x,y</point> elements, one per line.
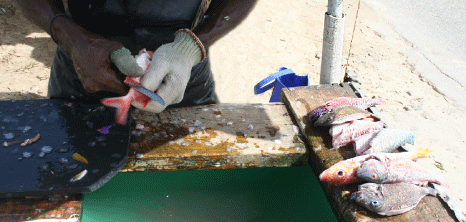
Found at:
<point>216,25</point>
<point>89,52</point>
<point>40,12</point>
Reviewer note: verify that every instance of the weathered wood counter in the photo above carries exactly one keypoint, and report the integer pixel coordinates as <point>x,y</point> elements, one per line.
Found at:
<point>223,136</point>
<point>302,100</point>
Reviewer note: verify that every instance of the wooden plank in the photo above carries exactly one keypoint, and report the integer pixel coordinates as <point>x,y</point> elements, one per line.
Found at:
<point>54,207</point>
<point>300,101</point>
<point>221,136</point>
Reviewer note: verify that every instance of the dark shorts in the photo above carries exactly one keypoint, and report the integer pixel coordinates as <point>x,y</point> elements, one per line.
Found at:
<point>64,83</point>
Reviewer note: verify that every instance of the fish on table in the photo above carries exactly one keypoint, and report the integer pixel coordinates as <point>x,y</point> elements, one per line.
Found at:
<point>363,143</point>
<point>383,170</point>
<point>345,171</point>
<point>390,199</point>
<point>387,140</point>
<point>354,130</point>
<point>123,103</point>
<point>362,103</point>
<point>341,114</point>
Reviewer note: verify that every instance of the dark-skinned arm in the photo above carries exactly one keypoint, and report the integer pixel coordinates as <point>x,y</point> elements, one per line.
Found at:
<point>216,26</point>
<point>90,53</point>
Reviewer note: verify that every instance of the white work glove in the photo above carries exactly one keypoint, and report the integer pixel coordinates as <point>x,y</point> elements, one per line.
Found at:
<point>170,69</point>
<point>126,63</point>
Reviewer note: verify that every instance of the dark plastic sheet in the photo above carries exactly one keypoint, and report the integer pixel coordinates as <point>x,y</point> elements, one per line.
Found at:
<point>67,127</point>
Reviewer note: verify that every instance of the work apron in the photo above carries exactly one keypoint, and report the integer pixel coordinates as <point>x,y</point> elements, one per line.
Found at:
<point>139,27</point>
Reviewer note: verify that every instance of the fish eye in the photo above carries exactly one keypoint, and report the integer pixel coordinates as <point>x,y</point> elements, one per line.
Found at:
<point>373,176</point>
<point>340,173</point>
<point>375,203</point>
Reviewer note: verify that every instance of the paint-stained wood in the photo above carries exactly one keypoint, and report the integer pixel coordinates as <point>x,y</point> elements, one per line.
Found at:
<point>300,101</point>
<point>53,207</point>
<point>223,136</point>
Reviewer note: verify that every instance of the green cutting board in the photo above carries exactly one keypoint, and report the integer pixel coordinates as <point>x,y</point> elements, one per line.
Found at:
<point>260,194</point>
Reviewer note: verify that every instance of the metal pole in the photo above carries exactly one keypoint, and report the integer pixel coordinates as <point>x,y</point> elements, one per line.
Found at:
<point>332,46</point>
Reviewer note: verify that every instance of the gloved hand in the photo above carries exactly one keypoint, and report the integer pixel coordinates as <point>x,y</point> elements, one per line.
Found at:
<point>126,63</point>
<point>170,69</point>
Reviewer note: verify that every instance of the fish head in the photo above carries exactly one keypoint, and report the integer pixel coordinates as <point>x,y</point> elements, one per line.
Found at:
<point>370,197</point>
<point>341,173</point>
<point>372,170</point>
<point>320,110</point>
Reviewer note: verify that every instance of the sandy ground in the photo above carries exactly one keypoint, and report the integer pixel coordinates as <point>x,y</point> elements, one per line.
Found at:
<point>279,34</point>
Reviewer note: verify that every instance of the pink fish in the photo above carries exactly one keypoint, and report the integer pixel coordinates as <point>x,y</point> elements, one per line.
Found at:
<point>383,170</point>
<point>362,143</point>
<point>354,130</point>
<point>345,171</point>
<point>362,103</point>
<point>123,103</point>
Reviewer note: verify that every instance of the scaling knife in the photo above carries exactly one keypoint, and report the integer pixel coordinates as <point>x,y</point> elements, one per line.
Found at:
<point>148,93</point>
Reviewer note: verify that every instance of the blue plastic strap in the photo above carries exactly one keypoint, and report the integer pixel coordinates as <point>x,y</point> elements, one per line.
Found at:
<point>262,87</point>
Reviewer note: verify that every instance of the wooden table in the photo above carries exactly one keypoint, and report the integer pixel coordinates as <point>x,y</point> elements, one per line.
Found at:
<point>223,136</point>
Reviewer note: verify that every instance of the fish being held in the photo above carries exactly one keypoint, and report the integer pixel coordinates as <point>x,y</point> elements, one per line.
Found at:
<point>362,103</point>
<point>123,103</point>
<point>387,140</point>
<point>345,171</point>
<point>341,114</point>
<point>383,170</point>
<point>390,199</point>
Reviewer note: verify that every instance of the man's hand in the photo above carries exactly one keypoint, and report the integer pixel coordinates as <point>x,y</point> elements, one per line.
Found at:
<point>91,60</point>
<point>92,57</point>
<point>170,69</point>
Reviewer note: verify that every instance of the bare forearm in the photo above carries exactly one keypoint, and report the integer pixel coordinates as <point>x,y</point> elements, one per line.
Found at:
<point>40,12</point>
<point>224,17</point>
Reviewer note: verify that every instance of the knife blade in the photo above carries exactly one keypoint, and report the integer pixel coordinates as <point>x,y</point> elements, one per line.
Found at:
<point>148,93</point>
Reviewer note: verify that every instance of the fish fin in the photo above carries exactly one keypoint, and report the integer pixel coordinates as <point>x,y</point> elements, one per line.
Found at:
<point>122,105</point>
<point>132,81</point>
<point>422,153</point>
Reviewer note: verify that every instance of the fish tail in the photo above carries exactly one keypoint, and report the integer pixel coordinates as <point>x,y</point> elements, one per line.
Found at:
<point>122,104</point>
<point>421,153</point>
<point>442,181</point>
<point>379,101</point>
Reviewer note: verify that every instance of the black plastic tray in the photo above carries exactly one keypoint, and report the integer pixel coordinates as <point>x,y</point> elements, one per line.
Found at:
<point>68,127</point>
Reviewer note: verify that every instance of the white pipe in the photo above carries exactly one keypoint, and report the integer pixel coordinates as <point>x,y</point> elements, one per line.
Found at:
<point>332,47</point>
<point>335,8</point>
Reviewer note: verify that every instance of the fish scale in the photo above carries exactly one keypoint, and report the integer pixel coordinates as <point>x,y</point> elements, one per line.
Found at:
<point>390,199</point>
<point>387,140</point>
